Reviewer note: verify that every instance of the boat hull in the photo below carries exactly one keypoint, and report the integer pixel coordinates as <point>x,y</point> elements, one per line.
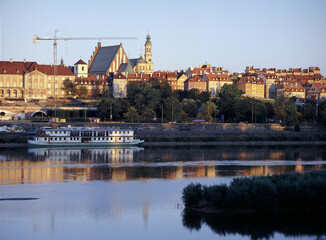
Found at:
<point>33,143</point>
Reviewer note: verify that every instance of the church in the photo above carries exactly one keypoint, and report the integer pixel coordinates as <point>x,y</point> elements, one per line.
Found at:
<point>113,59</point>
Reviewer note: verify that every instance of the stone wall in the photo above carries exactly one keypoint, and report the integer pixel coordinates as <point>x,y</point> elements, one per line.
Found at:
<point>172,127</point>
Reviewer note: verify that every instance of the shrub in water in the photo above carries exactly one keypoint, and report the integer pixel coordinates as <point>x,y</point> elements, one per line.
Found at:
<point>192,194</point>
<point>286,191</point>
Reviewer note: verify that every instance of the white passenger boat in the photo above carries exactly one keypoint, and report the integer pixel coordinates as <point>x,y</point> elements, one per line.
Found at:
<point>83,137</point>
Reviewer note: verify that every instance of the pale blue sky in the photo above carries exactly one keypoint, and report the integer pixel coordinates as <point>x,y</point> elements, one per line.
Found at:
<point>228,33</point>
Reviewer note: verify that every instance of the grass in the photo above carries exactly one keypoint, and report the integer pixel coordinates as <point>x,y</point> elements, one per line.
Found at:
<point>291,191</point>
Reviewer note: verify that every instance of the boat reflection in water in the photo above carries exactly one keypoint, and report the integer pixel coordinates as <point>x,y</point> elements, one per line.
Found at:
<point>86,155</point>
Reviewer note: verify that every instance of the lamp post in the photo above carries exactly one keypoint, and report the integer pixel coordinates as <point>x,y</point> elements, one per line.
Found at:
<point>110,111</point>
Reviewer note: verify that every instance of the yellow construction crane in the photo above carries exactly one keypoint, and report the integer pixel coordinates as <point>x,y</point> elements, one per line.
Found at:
<point>55,40</point>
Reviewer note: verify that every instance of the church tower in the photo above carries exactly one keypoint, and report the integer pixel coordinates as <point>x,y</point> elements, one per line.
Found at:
<point>142,65</point>
<point>148,49</point>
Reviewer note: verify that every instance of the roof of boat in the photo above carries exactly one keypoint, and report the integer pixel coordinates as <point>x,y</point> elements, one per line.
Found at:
<point>85,129</point>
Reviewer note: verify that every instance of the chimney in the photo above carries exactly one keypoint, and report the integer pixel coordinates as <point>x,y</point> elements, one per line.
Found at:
<point>24,60</point>
<point>10,60</point>
<point>99,44</point>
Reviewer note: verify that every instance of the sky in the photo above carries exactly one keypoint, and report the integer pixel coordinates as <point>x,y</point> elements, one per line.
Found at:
<point>185,33</point>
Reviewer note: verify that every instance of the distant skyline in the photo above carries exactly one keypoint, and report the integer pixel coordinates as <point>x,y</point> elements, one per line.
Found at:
<point>229,33</point>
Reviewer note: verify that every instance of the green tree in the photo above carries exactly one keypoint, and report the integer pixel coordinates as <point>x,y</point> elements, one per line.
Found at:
<point>131,114</point>
<point>204,96</point>
<point>152,97</point>
<point>279,105</point>
<point>291,114</point>
<point>322,112</point>
<point>229,96</point>
<point>105,107</point>
<point>173,108</point>
<point>82,92</point>
<point>308,112</point>
<point>139,103</point>
<point>96,92</point>
<point>208,111</point>
<point>189,106</point>
<point>69,87</point>
<point>149,114</point>
<point>270,110</point>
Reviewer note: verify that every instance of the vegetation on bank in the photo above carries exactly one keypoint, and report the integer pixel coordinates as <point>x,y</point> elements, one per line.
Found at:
<point>291,191</point>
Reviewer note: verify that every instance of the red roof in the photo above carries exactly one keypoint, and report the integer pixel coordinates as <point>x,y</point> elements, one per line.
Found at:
<point>196,78</point>
<point>49,69</point>
<point>119,76</point>
<point>292,87</point>
<point>80,62</point>
<point>200,71</point>
<point>321,87</point>
<point>218,77</point>
<point>7,67</point>
<point>172,75</point>
<point>252,80</point>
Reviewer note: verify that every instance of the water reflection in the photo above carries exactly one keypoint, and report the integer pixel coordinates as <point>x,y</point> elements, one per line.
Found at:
<point>43,165</point>
<point>260,226</point>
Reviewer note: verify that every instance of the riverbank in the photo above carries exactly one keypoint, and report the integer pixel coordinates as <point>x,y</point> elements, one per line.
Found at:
<point>174,144</point>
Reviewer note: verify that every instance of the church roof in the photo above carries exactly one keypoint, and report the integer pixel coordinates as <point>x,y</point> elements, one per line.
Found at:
<point>133,62</point>
<point>103,59</point>
<point>141,60</point>
<point>80,62</point>
<point>125,68</point>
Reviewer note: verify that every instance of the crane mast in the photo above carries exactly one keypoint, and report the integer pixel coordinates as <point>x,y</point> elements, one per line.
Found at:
<point>55,40</point>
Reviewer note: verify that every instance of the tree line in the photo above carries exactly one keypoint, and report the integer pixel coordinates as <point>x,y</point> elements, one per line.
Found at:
<point>154,101</point>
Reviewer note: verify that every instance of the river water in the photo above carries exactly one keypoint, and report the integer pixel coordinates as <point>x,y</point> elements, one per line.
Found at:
<point>135,193</point>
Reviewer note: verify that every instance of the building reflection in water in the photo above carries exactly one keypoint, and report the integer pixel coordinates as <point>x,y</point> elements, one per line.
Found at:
<point>43,165</point>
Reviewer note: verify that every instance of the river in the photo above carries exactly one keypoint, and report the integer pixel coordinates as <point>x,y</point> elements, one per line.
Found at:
<point>135,193</point>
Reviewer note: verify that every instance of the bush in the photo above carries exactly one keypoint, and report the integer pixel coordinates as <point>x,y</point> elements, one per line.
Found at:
<point>290,191</point>
<point>192,194</point>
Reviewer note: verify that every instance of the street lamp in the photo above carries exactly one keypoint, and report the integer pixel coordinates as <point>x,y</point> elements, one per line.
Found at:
<point>162,113</point>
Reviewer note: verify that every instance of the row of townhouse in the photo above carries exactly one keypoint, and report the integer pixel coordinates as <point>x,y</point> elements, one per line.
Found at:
<point>270,83</point>
<point>212,82</point>
<point>21,80</point>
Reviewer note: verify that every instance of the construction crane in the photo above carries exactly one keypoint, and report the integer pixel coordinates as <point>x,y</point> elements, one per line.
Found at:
<point>55,40</point>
